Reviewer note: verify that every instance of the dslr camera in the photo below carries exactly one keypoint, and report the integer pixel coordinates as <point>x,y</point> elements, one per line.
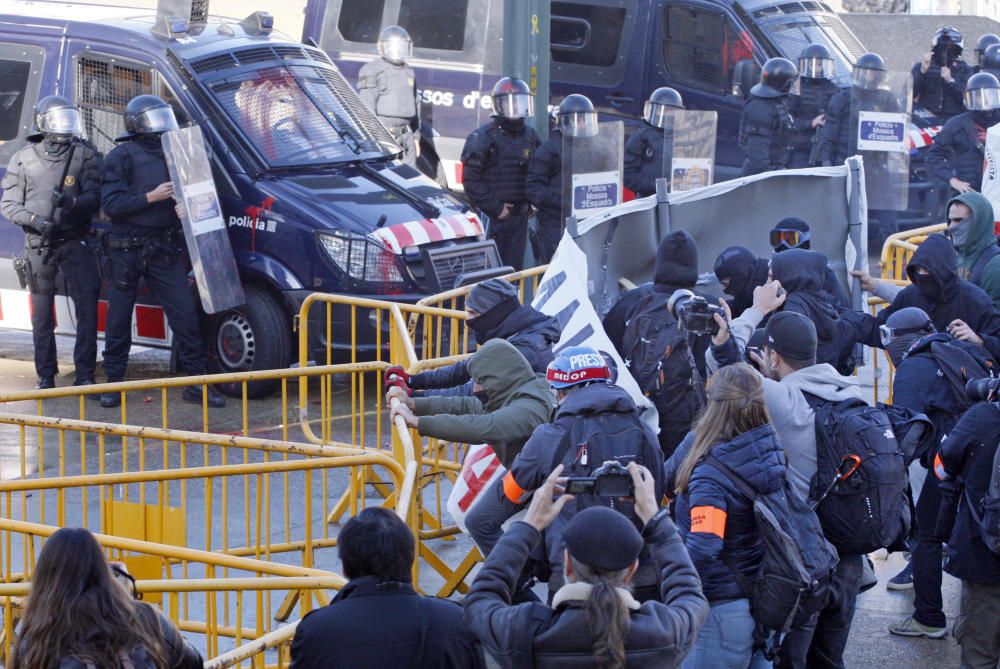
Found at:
<point>611,479</point>
<point>982,390</point>
<point>694,313</point>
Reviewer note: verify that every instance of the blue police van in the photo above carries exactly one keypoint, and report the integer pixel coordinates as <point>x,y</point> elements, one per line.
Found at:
<point>313,196</point>
<point>616,52</point>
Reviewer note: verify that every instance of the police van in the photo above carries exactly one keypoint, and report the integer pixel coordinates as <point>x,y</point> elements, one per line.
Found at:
<point>616,52</point>
<point>312,194</point>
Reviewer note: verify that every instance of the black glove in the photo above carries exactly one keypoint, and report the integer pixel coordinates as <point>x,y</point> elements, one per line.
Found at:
<point>43,227</point>
<point>64,201</point>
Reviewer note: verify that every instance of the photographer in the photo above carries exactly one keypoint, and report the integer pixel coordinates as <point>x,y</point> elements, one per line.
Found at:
<point>939,79</point>
<point>593,620</point>
<point>715,517</point>
<point>967,462</point>
<point>595,422</point>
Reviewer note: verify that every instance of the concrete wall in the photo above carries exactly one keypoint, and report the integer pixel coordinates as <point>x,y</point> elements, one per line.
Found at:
<point>902,39</point>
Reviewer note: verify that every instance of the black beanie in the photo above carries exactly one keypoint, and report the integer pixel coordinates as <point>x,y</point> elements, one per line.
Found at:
<point>792,223</point>
<point>603,538</point>
<point>677,260</point>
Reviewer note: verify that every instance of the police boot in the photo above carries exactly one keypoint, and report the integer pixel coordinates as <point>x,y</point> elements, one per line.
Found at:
<point>93,397</point>
<point>45,382</point>
<point>193,394</point>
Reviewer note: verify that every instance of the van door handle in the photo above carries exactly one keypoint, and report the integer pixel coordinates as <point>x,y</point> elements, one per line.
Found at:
<point>619,100</point>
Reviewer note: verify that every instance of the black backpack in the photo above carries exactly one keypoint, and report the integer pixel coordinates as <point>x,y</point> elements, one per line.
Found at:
<point>658,355</point>
<point>960,362</point>
<point>793,581</point>
<point>859,490</point>
<point>989,521</point>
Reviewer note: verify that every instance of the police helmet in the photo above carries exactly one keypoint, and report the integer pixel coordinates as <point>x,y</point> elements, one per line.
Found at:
<point>948,36</point>
<point>982,92</point>
<point>984,43</point>
<point>577,117</point>
<point>869,72</point>
<point>55,115</point>
<point>991,59</point>
<point>776,78</point>
<point>577,365</point>
<point>816,62</point>
<point>512,99</point>
<point>395,45</point>
<point>658,108</point>
<point>147,115</point>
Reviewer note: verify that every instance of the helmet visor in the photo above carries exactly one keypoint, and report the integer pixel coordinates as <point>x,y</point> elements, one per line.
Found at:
<point>982,99</point>
<point>396,49</point>
<point>578,124</point>
<point>659,116</point>
<point>63,121</point>
<point>514,105</point>
<point>816,68</point>
<point>787,239</point>
<point>871,80</point>
<point>158,119</point>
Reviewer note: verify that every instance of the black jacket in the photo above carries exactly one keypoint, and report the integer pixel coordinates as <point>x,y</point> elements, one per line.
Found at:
<point>936,95</point>
<point>495,159</point>
<point>131,170</point>
<point>835,138</point>
<point>644,160</point>
<point>543,186</point>
<point>765,134</point>
<point>958,151</point>
<point>373,624</point>
<point>955,299</point>
<point>758,458</point>
<point>530,331</point>
<point>812,100</point>
<point>533,635</point>
<point>967,454</point>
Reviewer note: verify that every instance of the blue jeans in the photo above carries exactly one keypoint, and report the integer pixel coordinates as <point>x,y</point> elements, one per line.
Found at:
<point>726,640</point>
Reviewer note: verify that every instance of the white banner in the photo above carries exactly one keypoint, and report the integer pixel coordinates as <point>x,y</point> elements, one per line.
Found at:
<point>480,470</point>
<point>991,169</point>
<point>882,131</point>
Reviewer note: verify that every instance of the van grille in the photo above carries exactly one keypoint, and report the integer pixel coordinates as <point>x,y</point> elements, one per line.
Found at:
<point>220,62</point>
<point>445,264</point>
<point>103,88</point>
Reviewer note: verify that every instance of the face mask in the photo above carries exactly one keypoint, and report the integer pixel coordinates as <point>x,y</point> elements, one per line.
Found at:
<point>959,232</point>
<point>898,347</point>
<point>482,396</point>
<point>928,286</point>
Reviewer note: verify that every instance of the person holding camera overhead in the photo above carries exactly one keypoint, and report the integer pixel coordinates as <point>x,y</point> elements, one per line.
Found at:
<point>939,78</point>
<point>596,432</point>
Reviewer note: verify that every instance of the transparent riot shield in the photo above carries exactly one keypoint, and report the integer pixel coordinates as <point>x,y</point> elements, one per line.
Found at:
<point>592,171</point>
<point>201,215</point>
<point>880,119</point>
<point>689,149</point>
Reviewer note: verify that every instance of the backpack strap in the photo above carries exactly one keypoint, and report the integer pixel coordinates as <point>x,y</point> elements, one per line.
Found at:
<point>751,494</point>
<point>561,450</point>
<point>976,273</point>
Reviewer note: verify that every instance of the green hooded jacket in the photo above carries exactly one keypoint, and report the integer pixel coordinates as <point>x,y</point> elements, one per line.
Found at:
<point>518,402</point>
<point>980,238</point>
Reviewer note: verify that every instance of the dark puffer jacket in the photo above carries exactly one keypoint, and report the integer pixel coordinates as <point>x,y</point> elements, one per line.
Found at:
<point>533,635</point>
<point>714,517</point>
<point>957,151</point>
<point>802,273</point>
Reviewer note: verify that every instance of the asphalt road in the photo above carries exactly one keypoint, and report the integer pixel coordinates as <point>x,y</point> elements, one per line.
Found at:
<point>870,646</point>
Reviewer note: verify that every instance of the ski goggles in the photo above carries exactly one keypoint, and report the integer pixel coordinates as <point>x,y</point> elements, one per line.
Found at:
<point>790,239</point>
<point>887,334</point>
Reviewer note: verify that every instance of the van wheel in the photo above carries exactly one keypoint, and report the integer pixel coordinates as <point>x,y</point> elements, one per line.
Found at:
<point>250,338</point>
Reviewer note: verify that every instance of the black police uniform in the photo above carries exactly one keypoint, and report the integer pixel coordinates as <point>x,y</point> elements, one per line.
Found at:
<point>32,195</point>
<point>391,92</point>
<point>935,94</point>
<point>543,188</point>
<point>644,160</point>
<point>812,100</point>
<point>765,133</point>
<point>495,159</point>
<point>144,243</point>
<point>958,151</point>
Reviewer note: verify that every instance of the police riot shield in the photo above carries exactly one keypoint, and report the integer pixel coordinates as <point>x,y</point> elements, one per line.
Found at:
<point>201,215</point>
<point>880,120</point>
<point>592,171</point>
<point>689,149</point>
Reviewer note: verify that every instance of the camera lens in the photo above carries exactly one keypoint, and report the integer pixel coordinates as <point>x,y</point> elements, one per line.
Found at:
<point>979,390</point>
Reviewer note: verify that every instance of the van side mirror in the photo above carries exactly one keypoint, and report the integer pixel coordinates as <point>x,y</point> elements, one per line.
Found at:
<point>746,73</point>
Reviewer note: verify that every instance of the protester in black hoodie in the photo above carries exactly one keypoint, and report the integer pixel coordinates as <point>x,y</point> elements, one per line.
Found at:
<point>676,268</point>
<point>739,272</point>
<point>957,307</point>
<point>801,273</point>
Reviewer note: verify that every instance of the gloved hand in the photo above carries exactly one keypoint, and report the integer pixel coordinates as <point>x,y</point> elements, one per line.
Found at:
<point>45,228</point>
<point>63,201</point>
<point>395,377</point>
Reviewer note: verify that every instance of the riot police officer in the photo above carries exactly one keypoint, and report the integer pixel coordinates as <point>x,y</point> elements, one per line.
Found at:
<point>644,152</point>
<point>766,127</point>
<point>388,86</point>
<point>51,189</point>
<point>956,157</point>
<point>145,243</point>
<point>543,185</point>
<point>991,61</point>
<point>808,105</point>
<point>982,44</point>
<point>495,160</point>
<point>939,79</point>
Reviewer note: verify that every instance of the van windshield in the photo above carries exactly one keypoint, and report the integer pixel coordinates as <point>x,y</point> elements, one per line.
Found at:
<point>297,115</point>
<point>792,35</point>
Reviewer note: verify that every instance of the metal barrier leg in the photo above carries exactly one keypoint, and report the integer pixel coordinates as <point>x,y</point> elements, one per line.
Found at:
<point>457,579</point>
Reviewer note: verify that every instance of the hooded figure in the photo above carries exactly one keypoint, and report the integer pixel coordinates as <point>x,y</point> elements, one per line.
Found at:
<point>514,401</point>
<point>744,272</point>
<point>939,292</point>
<point>976,244</point>
<point>801,273</point>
